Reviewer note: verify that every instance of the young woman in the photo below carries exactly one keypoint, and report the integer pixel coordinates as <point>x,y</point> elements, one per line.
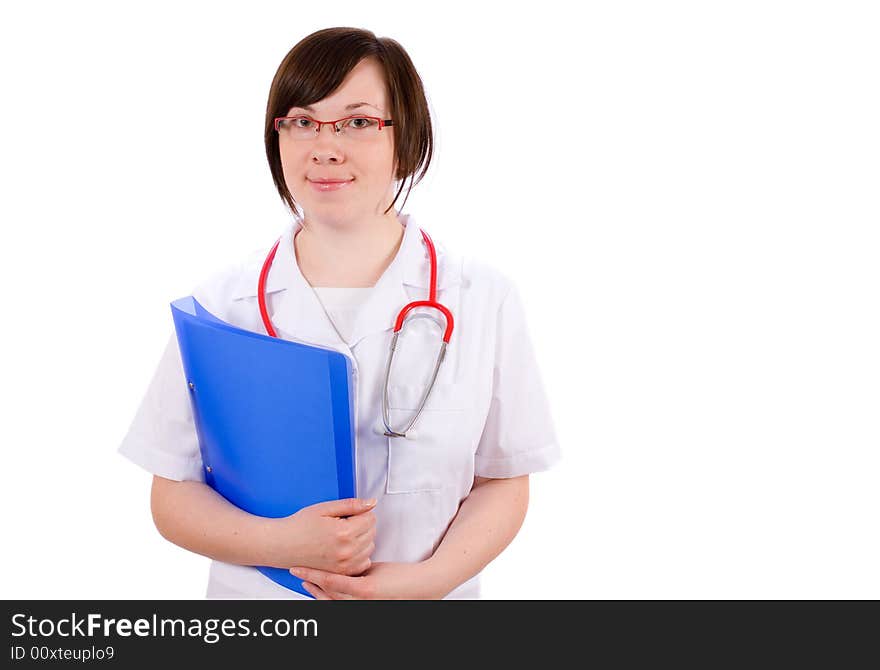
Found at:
<point>347,123</point>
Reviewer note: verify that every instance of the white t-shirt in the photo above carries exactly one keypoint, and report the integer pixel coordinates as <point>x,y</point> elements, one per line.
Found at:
<point>342,306</point>
<point>487,415</point>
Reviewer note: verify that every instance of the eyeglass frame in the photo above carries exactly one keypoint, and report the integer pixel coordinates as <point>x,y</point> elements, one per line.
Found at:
<point>382,122</point>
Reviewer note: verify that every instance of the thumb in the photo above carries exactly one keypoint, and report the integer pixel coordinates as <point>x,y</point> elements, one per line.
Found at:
<point>346,506</point>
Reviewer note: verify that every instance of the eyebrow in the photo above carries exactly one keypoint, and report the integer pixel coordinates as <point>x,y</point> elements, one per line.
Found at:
<point>353,105</point>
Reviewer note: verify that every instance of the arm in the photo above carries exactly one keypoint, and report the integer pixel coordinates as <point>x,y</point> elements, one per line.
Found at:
<point>336,535</point>
<point>487,521</point>
<point>194,516</point>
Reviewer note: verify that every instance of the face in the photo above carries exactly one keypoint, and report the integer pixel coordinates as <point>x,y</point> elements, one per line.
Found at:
<point>368,164</point>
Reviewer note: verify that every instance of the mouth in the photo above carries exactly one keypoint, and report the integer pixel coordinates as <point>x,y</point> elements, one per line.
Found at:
<point>329,184</point>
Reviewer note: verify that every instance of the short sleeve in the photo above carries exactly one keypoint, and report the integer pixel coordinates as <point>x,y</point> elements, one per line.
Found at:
<point>519,436</point>
<point>162,438</point>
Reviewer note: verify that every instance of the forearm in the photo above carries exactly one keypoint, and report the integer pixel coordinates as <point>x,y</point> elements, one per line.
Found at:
<point>194,516</point>
<point>487,521</point>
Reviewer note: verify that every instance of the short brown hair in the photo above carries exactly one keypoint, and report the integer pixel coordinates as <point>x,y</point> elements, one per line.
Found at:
<point>318,64</point>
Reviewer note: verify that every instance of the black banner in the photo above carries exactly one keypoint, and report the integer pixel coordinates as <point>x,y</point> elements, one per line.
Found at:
<point>104,633</point>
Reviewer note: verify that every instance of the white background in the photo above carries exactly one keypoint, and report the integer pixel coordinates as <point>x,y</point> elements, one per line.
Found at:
<point>688,201</point>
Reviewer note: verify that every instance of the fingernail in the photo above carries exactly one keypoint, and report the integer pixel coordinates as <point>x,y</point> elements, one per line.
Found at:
<point>370,502</point>
<point>295,572</point>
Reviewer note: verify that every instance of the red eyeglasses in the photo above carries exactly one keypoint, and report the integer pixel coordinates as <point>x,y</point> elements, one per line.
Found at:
<point>302,127</point>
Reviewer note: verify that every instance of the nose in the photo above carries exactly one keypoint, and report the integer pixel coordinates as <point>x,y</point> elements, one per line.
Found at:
<point>326,145</point>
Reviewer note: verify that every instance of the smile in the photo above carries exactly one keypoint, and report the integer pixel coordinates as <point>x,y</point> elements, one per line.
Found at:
<point>329,185</point>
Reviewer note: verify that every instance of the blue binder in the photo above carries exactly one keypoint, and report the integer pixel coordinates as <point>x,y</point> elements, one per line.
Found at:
<point>275,419</point>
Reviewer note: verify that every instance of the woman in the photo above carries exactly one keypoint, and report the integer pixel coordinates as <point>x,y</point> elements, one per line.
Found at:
<point>438,505</point>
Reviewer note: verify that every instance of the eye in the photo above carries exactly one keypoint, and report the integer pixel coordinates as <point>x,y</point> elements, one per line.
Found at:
<point>360,123</point>
<point>295,122</point>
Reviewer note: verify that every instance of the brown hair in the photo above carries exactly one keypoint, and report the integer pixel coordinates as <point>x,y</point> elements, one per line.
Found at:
<point>318,64</point>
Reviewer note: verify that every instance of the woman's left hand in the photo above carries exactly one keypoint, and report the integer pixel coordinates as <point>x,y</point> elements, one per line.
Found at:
<point>382,581</point>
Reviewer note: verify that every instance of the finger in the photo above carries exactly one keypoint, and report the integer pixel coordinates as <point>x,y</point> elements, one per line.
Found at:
<point>367,533</point>
<point>336,595</point>
<point>357,566</point>
<point>363,557</point>
<point>362,523</point>
<point>321,594</point>
<point>345,507</point>
<point>327,581</point>
<point>316,591</point>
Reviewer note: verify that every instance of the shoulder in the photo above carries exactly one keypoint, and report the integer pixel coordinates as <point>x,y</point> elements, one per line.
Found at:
<point>482,293</point>
<point>485,281</point>
<point>230,282</point>
<point>478,281</point>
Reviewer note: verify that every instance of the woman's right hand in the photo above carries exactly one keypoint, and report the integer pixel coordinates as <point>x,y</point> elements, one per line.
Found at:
<point>336,536</point>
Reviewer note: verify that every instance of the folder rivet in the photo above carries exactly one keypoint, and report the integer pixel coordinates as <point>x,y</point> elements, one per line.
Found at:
<point>191,385</point>
<point>209,468</point>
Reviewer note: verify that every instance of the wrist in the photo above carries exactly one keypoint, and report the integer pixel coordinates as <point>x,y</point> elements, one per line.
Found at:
<point>269,549</point>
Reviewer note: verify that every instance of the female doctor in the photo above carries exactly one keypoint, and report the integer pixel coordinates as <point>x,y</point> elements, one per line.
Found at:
<point>347,119</point>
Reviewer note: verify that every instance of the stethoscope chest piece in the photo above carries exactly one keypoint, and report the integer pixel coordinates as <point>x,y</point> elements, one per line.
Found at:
<point>390,432</point>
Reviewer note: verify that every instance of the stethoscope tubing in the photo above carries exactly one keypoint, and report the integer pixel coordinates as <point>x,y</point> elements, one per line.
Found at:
<point>431,302</point>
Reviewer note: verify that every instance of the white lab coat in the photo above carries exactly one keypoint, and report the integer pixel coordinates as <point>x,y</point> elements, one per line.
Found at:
<point>487,416</point>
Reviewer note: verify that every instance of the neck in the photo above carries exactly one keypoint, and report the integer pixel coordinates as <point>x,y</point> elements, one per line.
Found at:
<point>347,255</point>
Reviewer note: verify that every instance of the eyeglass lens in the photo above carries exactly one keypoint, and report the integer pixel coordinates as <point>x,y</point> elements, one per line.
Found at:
<point>304,128</point>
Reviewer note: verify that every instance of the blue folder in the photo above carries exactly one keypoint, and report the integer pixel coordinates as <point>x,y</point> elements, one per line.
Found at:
<point>275,418</point>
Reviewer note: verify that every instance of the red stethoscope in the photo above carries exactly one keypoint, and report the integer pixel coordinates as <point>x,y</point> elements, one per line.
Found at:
<point>398,325</point>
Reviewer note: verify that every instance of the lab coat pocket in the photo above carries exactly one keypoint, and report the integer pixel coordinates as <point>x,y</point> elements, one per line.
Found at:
<point>431,454</point>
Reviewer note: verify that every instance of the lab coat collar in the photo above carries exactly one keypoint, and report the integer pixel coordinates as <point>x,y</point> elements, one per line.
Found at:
<point>300,316</point>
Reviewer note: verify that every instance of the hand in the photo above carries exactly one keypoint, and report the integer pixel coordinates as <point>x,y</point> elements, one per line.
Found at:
<point>383,581</point>
<point>336,536</point>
